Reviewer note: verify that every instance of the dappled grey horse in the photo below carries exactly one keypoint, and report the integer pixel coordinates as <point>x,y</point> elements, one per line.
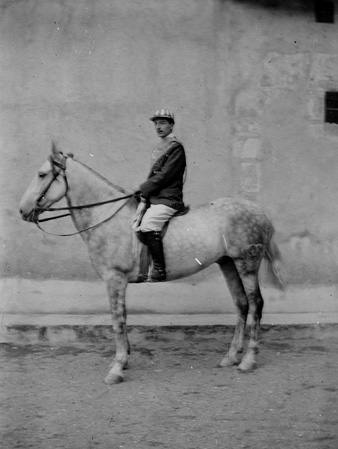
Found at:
<point>234,233</point>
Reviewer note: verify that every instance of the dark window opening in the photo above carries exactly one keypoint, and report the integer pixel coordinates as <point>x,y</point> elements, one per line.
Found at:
<point>324,11</point>
<point>331,107</point>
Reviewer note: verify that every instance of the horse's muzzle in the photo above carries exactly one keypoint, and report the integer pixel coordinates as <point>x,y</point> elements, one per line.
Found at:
<point>31,216</point>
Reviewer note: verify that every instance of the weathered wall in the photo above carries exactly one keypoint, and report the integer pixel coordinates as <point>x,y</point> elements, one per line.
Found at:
<point>246,81</point>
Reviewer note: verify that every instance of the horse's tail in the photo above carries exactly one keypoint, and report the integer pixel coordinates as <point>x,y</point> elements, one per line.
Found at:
<point>276,267</point>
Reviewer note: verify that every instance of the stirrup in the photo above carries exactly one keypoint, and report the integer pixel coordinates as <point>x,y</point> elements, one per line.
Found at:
<point>157,275</point>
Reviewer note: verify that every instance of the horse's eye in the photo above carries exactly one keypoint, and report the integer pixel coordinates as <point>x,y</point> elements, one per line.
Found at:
<point>42,175</point>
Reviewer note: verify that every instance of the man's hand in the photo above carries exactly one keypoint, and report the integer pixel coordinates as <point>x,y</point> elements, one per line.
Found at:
<point>141,208</point>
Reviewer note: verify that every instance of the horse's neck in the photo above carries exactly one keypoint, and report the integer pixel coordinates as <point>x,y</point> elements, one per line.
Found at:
<point>108,223</point>
<point>86,186</point>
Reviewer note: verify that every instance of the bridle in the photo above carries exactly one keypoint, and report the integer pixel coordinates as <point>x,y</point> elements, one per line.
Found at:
<point>54,164</point>
<point>62,166</point>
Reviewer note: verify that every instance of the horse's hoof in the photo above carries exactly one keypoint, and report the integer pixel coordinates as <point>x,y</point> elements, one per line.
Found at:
<point>228,362</point>
<point>113,378</point>
<point>247,367</point>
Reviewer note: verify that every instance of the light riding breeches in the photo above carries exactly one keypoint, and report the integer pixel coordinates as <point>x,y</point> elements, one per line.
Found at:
<point>155,217</point>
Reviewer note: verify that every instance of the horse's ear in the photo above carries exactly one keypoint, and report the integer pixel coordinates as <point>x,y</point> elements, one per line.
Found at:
<point>55,151</point>
<point>51,160</point>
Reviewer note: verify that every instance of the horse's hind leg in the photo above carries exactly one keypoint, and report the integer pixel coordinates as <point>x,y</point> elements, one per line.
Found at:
<point>116,288</point>
<point>248,270</point>
<point>240,299</point>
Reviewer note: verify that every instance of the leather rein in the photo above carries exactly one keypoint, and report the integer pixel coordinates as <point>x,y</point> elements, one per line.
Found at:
<point>62,167</point>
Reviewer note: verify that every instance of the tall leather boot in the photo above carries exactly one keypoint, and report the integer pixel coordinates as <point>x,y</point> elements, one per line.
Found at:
<point>154,243</point>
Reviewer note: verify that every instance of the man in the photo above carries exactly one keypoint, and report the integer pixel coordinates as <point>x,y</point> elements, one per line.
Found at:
<point>162,192</point>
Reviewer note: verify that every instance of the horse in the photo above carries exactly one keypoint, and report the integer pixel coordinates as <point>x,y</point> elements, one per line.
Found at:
<point>234,233</point>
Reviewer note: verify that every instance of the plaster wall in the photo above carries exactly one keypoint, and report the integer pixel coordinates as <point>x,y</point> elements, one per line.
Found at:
<point>246,80</point>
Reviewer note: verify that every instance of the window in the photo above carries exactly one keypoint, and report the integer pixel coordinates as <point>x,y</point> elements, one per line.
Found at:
<point>331,107</point>
<point>324,11</point>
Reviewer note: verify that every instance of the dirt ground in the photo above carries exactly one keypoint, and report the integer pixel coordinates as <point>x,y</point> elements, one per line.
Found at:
<point>174,396</point>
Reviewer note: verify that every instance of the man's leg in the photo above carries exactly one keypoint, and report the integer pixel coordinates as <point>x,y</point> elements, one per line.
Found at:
<point>152,223</point>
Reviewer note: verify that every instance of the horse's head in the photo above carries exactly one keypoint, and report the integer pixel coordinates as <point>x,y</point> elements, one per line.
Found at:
<point>49,185</point>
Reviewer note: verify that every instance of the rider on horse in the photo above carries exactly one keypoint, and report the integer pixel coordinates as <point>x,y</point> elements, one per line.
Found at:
<point>162,192</point>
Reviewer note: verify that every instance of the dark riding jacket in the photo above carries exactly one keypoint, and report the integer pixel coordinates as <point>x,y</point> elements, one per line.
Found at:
<point>164,184</point>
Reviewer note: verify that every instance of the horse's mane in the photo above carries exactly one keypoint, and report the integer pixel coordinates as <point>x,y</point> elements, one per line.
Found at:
<point>119,188</point>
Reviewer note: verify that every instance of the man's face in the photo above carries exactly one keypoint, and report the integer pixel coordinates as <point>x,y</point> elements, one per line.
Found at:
<point>163,127</point>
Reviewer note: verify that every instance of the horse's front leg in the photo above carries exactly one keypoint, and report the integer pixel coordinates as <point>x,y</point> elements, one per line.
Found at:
<point>116,288</point>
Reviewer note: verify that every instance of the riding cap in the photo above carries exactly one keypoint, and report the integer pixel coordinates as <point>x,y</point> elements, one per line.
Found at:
<point>163,113</point>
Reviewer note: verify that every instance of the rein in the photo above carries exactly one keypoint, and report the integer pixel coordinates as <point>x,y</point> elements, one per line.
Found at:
<point>78,207</point>
<point>84,206</point>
